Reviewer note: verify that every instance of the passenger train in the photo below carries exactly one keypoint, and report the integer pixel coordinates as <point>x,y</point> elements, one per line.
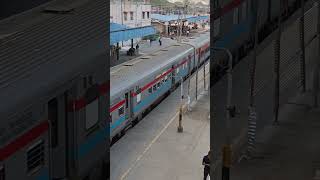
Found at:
<point>54,111</point>
<point>138,84</point>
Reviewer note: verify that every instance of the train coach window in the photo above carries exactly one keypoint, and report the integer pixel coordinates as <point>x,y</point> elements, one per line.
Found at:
<point>236,16</point>
<point>150,90</point>
<point>154,87</point>
<point>85,82</point>
<point>127,100</point>
<point>53,117</point>
<point>177,70</point>
<point>35,157</point>
<point>92,114</point>
<point>244,10</point>
<point>121,111</point>
<point>2,173</point>
<point>139,98</point>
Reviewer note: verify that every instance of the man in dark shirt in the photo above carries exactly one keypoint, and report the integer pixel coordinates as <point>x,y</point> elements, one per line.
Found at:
<point>137,48</point>
<point>206,163</point>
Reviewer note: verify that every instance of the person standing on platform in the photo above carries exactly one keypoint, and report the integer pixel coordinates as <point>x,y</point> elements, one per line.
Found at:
<point>160,42</point>
<point>137,48</point>
<point>206,163</point>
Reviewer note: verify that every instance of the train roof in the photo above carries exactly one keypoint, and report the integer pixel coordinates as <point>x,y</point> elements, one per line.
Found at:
<point>50,51</point>
<point>125,75</point>
<point>198,40</point>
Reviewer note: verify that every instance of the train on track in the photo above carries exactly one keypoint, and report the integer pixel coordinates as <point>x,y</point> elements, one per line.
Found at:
<point>137,85</point>
<point>55,122</point>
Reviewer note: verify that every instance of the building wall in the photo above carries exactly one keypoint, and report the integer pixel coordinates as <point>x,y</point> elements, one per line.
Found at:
<point>118,8</point>
<point>159,27</point>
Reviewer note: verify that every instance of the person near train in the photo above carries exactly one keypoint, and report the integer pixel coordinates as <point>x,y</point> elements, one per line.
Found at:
<point>206,163</point>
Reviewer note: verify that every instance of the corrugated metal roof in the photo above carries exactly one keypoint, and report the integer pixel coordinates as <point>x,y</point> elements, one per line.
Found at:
<point>120,32</point>
<point>117,27</point>
<point>27,50</point>
<point>174,17</point>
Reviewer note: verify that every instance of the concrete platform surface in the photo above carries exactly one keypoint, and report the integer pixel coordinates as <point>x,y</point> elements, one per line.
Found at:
<point>173,155</point>
<point>153,149</point>
<point>288,151</point>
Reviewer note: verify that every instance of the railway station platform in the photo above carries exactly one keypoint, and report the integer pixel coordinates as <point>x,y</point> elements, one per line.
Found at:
<point>153,149</point>
<point>289,150</point>
<point>146,48</point>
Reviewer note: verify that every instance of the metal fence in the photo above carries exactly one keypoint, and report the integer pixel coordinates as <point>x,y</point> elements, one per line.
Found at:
<point>291,74</point>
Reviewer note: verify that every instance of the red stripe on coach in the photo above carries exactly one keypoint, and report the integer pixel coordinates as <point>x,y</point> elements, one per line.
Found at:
<point>23,140</point>
<point>117,105</point>
<point>230,6</point>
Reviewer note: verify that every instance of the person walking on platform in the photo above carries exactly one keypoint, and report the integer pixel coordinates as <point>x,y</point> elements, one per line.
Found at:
<point>206,163</point>
<point>160,42</point>
<point>137,48</point>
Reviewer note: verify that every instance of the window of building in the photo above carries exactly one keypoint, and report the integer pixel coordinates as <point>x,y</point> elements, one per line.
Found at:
<point>121,111</point>
<point>92,114</point>
<point>139,98</point>
<point>131,15</point>
<point>35,157</point>
<point>2,173</point>
<point>143,15</point>
<point>125,16</point>
<point>148,15</point>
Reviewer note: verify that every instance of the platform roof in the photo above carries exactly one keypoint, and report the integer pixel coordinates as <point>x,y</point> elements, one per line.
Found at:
<point>119,32</point>
<point>173,17</point>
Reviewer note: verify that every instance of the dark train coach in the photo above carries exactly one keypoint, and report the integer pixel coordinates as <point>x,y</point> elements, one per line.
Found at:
<point>53,90</point>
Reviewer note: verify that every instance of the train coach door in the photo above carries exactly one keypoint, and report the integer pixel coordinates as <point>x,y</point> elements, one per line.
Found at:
<point>173,75</point>
<point>127,105</point>
<point>57,116</point>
